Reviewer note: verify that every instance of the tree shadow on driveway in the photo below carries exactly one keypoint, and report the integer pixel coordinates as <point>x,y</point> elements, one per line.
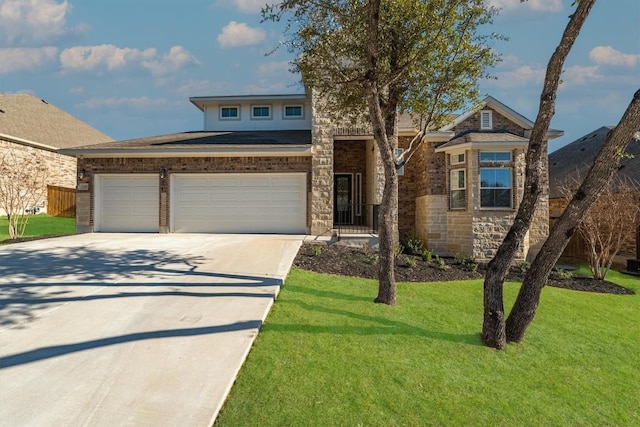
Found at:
<point>32,281</point>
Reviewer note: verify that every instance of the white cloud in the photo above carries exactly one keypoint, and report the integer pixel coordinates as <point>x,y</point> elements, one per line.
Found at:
<point>139,103</point>
<point>177,58</point>
<point>25,59</point>
<point>274,68</point>
<point>580,75</point>
<point>76,90</point>
<point>533,5</point>
<point>249,6</point>
<point>34,21</point>
<point>90,58</point>
<point>606,55</point>
<point>522,76</point>
<point>237,34</point>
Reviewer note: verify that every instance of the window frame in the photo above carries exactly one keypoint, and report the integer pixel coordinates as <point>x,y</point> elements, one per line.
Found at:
<point>494,160</point>
<point>296,117</point>
<point>458,161</point>
<point>489,115</point>
<point>399,152</point>
<point>267,106</point>
<point>496,188</point>
<point>457,188</point>
<point>229,107</point>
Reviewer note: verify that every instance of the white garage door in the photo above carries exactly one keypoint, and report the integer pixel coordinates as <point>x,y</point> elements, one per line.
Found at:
<point>239,203</point>
<point>127,203</point>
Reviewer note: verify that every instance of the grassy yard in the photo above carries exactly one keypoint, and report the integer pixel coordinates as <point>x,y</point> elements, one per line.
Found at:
<point>328,356</point>
<point>41,225</point>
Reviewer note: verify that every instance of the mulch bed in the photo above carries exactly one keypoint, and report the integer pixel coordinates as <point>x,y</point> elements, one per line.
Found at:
<point>360,262</point>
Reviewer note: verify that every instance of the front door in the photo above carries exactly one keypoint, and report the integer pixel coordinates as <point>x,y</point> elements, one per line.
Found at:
<point>342,199</point>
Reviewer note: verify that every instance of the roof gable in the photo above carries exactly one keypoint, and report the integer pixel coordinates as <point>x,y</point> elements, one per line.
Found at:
<point>29,120</point>
<point>505,111</point>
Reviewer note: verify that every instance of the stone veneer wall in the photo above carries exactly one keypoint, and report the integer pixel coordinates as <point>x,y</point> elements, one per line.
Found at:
<point>62,169</point>
<point>85,203</point>
<point>321,207</point>
<point>491,226</point>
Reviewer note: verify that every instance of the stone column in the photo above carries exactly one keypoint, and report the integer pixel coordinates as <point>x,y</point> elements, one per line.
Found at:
<point>321,193</point>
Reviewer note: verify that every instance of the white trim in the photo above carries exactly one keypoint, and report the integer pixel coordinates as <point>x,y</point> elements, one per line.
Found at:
<point>485,146</point>
<point>358,193</point>
<point>254,117</point>
<point>221,107</point>
<point>34,144</point>
<point>284,112</point>
<point>458,162</point>
<point>218,151</point>
<point>486,116</point>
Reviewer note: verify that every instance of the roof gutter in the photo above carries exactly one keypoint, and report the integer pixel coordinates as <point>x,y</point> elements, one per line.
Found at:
<point>219,151</point>
<point>28,142</point>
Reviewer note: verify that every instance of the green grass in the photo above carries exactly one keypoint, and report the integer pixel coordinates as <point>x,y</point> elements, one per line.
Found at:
<point>41,225</point>
<point>328,356</point>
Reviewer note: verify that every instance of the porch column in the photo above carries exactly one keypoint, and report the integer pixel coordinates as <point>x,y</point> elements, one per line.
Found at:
<point>321,195</point>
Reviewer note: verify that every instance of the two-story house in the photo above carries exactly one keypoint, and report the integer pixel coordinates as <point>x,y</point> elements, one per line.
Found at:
<point>275,164</point>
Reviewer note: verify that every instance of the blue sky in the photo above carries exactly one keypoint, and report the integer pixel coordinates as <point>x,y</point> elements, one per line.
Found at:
<point>128,67</point>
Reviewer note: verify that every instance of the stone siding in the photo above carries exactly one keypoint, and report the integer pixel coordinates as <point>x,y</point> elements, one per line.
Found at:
<point>460,237</point>
<point>321,200</point>
<point>85,202</point>
<point>431,222</point>
<point>61,169</point>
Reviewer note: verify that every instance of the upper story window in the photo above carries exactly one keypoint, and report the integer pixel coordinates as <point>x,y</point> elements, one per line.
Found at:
<point>486,120</point>
<point>229,113</point>
<point>495,156</point>
<point>293,112</point>
<point>261,112</point>
<point>457,159</point>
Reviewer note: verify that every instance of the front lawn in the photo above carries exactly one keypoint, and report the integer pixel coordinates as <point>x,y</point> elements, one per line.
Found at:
<point>41,225</point>
<point>328,356</point>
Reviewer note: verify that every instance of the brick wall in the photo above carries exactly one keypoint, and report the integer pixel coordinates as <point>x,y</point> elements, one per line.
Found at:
<point>85,198</point>
<point>500,123</point>
<point>350,157</point>
<point>62,169</point>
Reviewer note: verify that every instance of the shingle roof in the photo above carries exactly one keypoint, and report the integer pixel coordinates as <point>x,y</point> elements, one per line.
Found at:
<point>577,157</point>
<point>484,137</point>
<point>200,140</point>
<point>29,118</point>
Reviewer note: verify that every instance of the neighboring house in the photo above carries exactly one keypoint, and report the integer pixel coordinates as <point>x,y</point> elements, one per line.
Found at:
<point>573,161</point>
<point>29,124</point>
<point>274,164</point>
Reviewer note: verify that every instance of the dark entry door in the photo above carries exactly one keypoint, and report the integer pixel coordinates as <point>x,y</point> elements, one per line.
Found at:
<point>342,199</point>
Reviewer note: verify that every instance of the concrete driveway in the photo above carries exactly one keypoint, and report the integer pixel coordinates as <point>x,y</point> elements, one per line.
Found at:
<point>131,329</point>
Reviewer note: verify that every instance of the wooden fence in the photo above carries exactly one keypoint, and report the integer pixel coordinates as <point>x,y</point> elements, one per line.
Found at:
<point>61,201</point>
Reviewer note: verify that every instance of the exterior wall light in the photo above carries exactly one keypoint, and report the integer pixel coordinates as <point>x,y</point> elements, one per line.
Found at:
<point>82,173</point>
<point>163,173</point>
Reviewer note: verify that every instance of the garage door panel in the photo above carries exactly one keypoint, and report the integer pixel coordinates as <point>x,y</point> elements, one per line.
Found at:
<point>128,203</point>
<point>239,203</point>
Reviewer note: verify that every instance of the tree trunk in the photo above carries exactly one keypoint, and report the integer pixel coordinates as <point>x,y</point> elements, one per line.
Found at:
<point>604,167</point>
<point>493,326</point>
<point>389,207</point>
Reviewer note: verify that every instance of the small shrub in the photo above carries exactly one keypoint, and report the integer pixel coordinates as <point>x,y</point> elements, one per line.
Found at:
<point>440,264</point>
<point>412,244</point>
<point>371,258</point>
<point>411,262</point>
<point>467,263</point>
<point>426,255</point>
<point>398,249</point>
<point>564,274</point>
<point>524,266</point>
<point>316,250</point>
